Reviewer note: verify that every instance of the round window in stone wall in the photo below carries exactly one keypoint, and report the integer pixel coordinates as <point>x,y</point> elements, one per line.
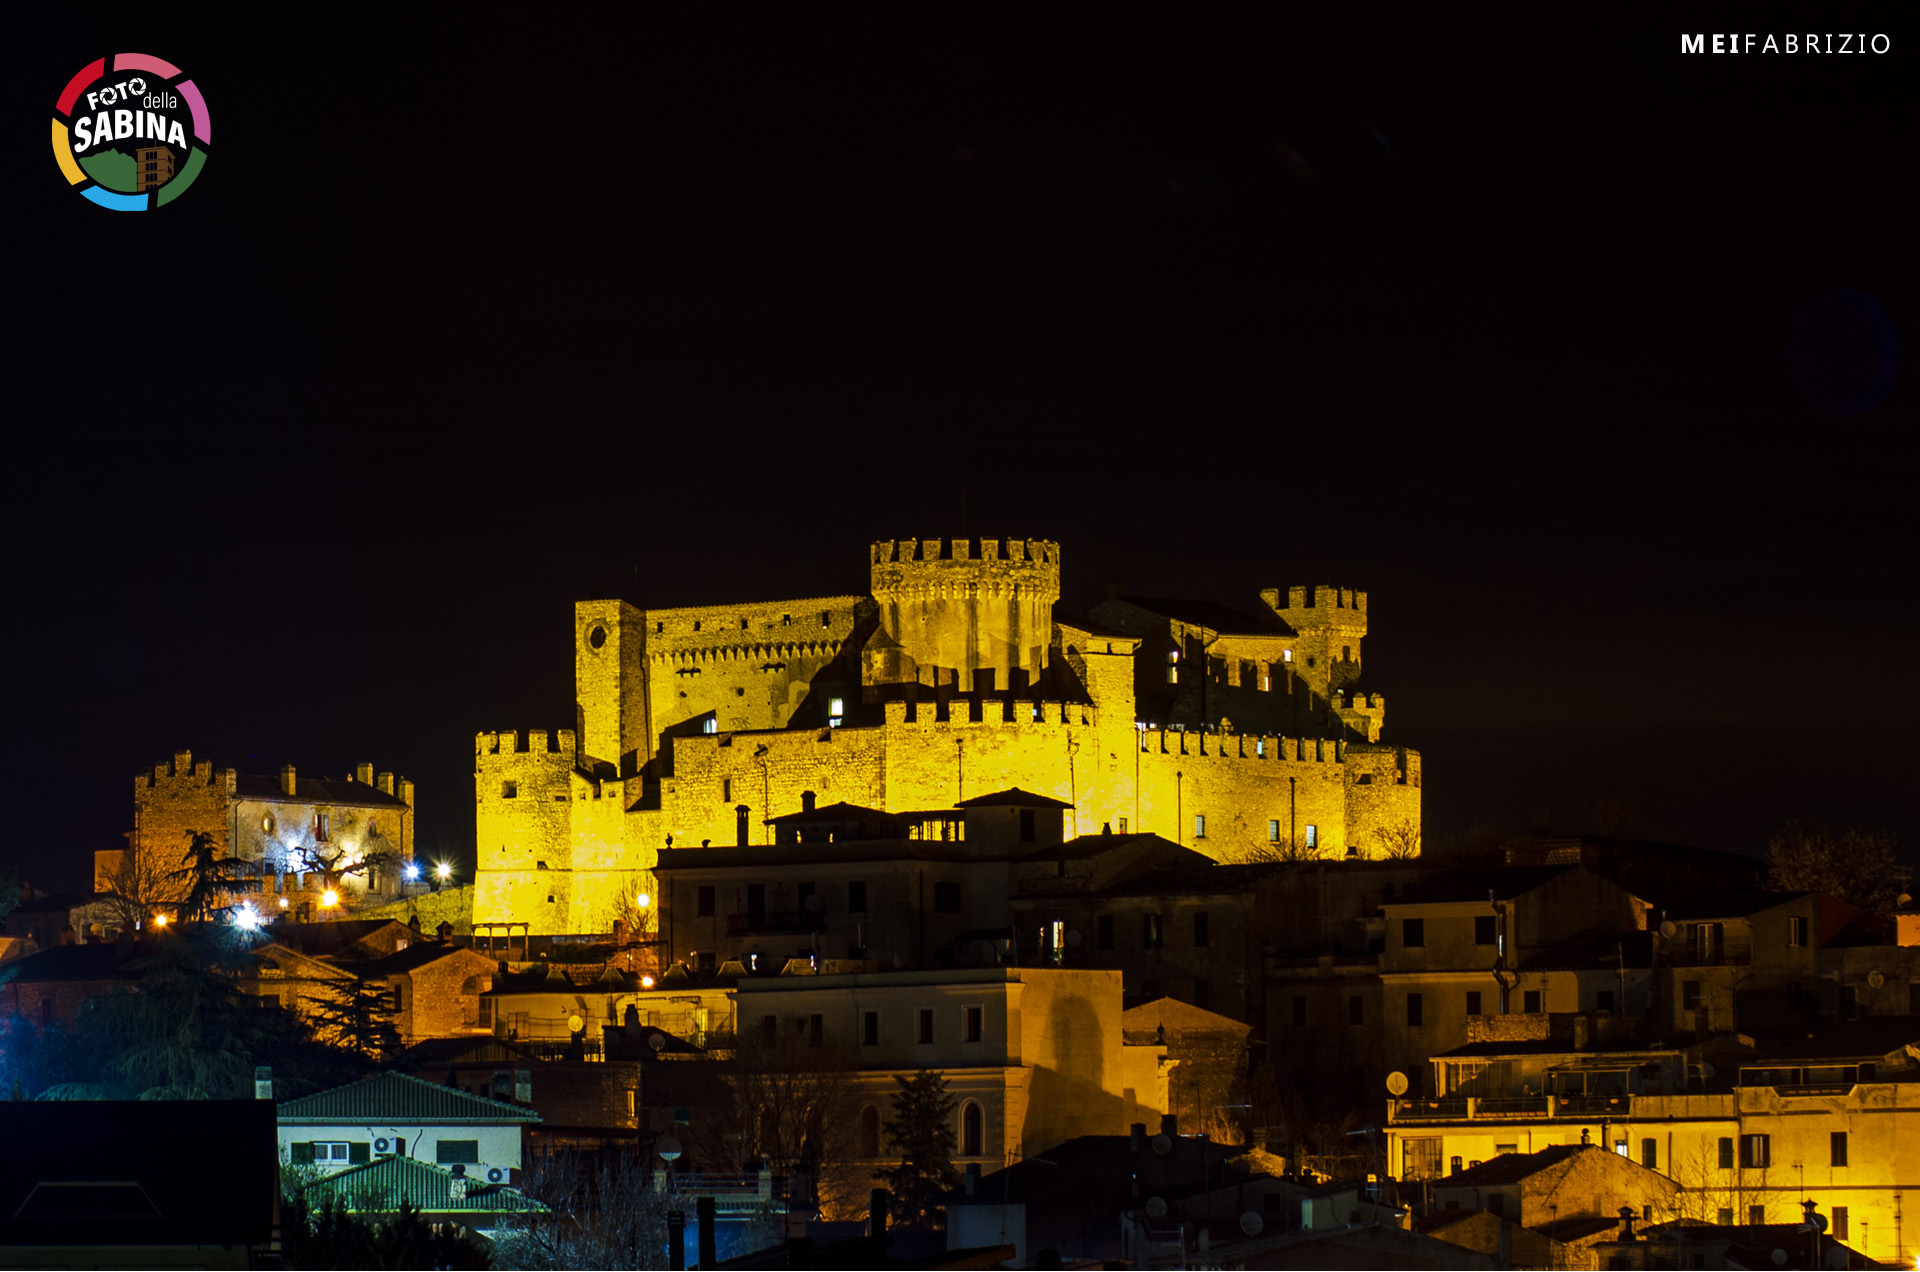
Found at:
<point>266,823</point>
<point>597,637</point>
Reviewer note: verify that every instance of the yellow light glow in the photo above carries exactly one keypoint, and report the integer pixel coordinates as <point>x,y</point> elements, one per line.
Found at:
<point>283,903</point>
<point>159,920</point>
<point>329,898</point>
<point>646,982</point>
<point>643,900</point>
<point>443,871</point>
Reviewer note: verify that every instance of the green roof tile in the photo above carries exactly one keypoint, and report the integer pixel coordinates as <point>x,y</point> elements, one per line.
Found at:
<point>385,1183</point>
<point>398,1097</point>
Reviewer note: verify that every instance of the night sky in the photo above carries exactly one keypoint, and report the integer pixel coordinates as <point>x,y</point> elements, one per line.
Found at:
<point>1590,361</point>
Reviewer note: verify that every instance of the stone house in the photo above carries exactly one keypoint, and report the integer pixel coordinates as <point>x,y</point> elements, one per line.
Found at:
<point>394,1115</point>
<point>437,988</point>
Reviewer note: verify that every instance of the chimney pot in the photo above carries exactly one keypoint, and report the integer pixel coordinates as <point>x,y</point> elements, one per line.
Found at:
<point>286,779</point>
<point>1137,1139</point>
<point>1170,1125</point>
<point>806,801</point>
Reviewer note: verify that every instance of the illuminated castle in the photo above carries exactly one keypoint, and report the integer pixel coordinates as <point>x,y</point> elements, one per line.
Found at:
<point>953,676</point>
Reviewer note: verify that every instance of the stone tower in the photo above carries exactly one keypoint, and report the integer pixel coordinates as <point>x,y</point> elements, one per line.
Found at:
<point>974,614</point>
<point>609,676</point>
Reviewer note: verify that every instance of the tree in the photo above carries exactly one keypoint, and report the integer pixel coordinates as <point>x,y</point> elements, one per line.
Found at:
<point>356,1016</point>
<point>1859,867</point>
<point>206,881</point>
<point>1400,841</point>
<point>136,890</point>
<point>334,862</point>
<point>1277,852</point>
<point>601,1212</point>
<point>364,1234</point>
<point>921,1131</point>
<point>9,892</point>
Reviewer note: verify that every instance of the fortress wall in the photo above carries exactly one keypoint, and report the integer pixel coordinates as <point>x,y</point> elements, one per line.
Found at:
<point>757,685</point>
<point>1383,795</point>
<point>1238,790</point>
<point>516,832</point>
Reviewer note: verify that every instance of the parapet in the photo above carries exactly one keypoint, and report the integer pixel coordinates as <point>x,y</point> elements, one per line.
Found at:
<point>1326,599</point>
<point>558,742</point>
<point>953,567</point>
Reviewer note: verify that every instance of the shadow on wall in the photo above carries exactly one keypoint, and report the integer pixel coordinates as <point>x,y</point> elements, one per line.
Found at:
<point>1069,1094</point>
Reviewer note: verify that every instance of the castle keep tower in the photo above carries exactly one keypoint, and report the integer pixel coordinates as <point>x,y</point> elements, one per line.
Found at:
<point>611,717</point>
<point>964,612</point>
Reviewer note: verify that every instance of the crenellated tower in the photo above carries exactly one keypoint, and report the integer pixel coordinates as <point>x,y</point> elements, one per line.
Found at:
<point>973,613</point>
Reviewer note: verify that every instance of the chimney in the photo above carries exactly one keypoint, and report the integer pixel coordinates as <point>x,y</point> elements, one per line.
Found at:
<point>1170,1125</point>
<point>1626,1223</point>
<point>262,1082</point>
<point>523,1086</point>
<point>406,792</point>
<point>385,783</point>
<point>806,801</point>
<point>1137,1140</point>
<point>877,1213</point>
<point>363,774</point>
<point>286,779</point>
<point>709,1250</point>
<point>677,1239</point>
<point>973,1177</point>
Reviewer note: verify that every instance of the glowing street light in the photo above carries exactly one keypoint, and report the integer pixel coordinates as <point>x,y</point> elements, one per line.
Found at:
<point>646,982</point>
<point>283,903</point>
<point>159,920</point>
<point>412,871</point>
<point>247,918</point>
<point>643,901</point>
<point>329,898</point>
<point>443,871</point>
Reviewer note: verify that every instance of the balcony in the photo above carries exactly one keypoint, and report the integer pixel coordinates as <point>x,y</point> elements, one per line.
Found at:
<point>1494,1108</point>
<point>775,923</point>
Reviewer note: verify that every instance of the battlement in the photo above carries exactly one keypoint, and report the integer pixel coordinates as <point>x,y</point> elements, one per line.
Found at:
<point>1015,551</point>
<point>1322,602</point>
<point>183,766</point>
<point>1367,702</point>
<point>533,742</point>
<point>1242,746</point>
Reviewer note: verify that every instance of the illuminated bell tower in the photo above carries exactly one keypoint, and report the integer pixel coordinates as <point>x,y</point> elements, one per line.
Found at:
<point>610,684</point>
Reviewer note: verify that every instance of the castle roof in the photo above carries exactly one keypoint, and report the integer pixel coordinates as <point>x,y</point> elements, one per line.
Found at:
<point>400,1097</point>
<point>314,790</point>
<point>1223,619</point>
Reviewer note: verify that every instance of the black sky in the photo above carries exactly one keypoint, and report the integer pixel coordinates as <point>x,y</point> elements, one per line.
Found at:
<point>1561,344</point>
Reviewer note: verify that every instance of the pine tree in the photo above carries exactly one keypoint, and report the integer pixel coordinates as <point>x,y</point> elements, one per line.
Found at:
<point>921,1131</point>
<point>356,1016</point>
<point>207,879</point>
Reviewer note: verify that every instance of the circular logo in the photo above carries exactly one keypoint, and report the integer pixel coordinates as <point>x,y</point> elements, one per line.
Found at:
<point>134,137</point>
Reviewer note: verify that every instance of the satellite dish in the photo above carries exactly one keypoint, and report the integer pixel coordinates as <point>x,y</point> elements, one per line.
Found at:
<point>576,1024</point>
<point>1162,1144</point>
<point>813,903</point>
<point>1668,928</point>
<point>1396,1083</point>
<point>668,1148</point>
<point>1906,898</point>
<point>1819,1223</point>
<point>657,1041</point>
<point>1876,979</point>
<point>1779,1258</point>
<point>495,1175</point>
<point>1073,937</point>
<point>1706,1068</point>
<point>1251,1223</point>
<point>1156,1208</point>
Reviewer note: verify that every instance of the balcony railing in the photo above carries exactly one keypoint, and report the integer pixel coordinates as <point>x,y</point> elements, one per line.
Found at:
<point>1495,1107</point>
<point>775,922</point>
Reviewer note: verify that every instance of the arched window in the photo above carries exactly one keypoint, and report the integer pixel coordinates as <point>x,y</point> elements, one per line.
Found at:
<point>973,1130</point>
<point>869,1131</point>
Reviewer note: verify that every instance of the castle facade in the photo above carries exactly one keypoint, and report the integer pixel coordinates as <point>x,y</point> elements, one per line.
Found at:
<point>954,675</point>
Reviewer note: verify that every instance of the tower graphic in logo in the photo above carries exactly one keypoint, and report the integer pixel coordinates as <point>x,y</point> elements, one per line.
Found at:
<point>132,138</point>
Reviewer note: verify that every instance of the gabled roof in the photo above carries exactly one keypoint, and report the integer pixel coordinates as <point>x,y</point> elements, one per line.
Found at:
<point>1511,1168</point>
<point>1195,880</point>
<point>1733,905</point>
<point>1504,882</point>
<point>433,1052</point>
<point>96,962</point>
<point>836,812</point>
<point>400,1097</point>
<point>381,1185</point>
<point>418,954</point>
<point>314,790</point>
<point>1012,797</point>
<point>326,939</point>
<point>84,1172</point>
<point>1092,627</point>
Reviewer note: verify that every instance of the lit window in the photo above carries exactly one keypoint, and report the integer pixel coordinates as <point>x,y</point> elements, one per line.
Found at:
<point>1313,835</point>
<point>1286,655</point>
<point>1273,832</point>
<point>1199,826</point>
<point>1797,931</point>
<point>1260,747</point>
<point>709,725</point>
<point>324,1153</point>
<point>836,711</point>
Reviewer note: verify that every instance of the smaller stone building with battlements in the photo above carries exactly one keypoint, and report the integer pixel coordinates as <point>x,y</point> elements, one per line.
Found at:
<point>1238,735</point>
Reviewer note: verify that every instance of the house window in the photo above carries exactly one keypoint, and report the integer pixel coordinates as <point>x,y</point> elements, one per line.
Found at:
<point>1756,1215</point>
<point>485,1019</point>
<point>266,823</point>
<point>1413,1010</point>
<point>1473,1002</point>
<point>1837,1148</point>
<point>857,896</point>
<point>769,1030</point>
<point>973,1130</point>
<point>1726,1216</point>
<point>973,1023</point>
<point>1273,832</point>
<point>869,1028</point>
<point>1356,1010</point>
<point>1106,932</point>
<point>1150,931</point>
<point>336,1153</point>
<point>1689,995</point>
<point>705,904</point>
<point>726,790</point>
<point>836,711</point>
<point>1650,1153</point>
<point>1413,933</point>
<point>320,824</point>
<point>1797,932</point>
<point>709,725</point>
<point>1299,1011</point>
<point>1726,1152</point>
<point>452,1152</point>
<point>1026,826</point>
<point>1756,1152</point>
<point>1422,1158</point>
<point>869,1131</point>
<point>1200,933</point>
<point>1199,826</point>
<point>1839,1223</point>
<point>946,897</point>
<point>1286,655</point>
<point>1313,835</point>
<point>1532,1000</point>
<point>926,1026</point>
<point>1123,830</point>
<point>508,790</point>
<point>1483,929</point>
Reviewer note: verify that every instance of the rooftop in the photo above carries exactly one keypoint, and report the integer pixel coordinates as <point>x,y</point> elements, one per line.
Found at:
<point>400,1097</point>
<point>1012,797</point>
<point>1503,883</point>
<point>1511,1168</point>
<point>387,1181</point>
<point>315,790</point>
